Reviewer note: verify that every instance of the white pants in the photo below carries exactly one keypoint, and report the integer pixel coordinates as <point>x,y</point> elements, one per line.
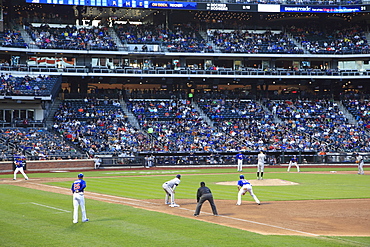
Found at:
<point>260,167</point>
<point>19,169</point>
<point>293,163</point>
<point>169,193</point>
<point>361,168</point>
<point>79,200</point>
<point>240,165</point>
<point>246,188</point>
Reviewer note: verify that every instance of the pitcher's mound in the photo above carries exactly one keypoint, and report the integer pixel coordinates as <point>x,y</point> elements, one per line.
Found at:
<point>265,182</point>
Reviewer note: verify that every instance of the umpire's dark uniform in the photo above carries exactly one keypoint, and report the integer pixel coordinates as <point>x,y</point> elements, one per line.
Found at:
<point>204,194</point>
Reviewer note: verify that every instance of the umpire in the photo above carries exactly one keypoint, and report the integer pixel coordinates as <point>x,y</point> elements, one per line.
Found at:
<point>204,194</point>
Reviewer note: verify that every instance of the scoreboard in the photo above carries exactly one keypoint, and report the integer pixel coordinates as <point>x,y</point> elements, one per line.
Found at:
<point>239,7</point>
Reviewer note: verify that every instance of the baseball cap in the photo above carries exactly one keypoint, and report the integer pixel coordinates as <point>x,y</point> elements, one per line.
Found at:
<point>80,175</point>
<point>178,176</point>
<point>241,176</point>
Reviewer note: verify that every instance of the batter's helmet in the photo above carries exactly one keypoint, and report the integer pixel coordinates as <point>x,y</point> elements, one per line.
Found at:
<point>241,176</point>
<point>80,175</point>
<point>178,176</point>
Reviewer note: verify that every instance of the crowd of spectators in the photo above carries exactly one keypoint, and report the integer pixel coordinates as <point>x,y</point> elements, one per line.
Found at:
<point>27,85</point>
<point>98,127</point>
<point>36,143</point>
<point>249,42</point>
<point>324,122</point>
<point>185,38</point>
<point>71,37</point>
<point>360,109</point>
<point>332,41</point>
<point>12,38</point>
<point>180,39</point>
<point>175,123</point>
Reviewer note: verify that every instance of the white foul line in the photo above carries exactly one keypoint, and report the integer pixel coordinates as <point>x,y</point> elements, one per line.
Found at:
<point>50,207</point>
<point>279,227</point>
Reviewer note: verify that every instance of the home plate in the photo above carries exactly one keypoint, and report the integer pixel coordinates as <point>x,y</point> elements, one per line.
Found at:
<point>264,182</point>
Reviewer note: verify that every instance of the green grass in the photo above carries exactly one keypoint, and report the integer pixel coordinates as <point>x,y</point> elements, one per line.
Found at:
<point>38,218</point>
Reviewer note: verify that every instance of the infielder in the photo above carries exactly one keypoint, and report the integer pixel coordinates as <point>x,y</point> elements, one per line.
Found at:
<point>169,187</point>
<point>293,161</point>
<point>239,159</point>
<point>97,162</point>
<point>260,165</point>
<point>360,164</point>
<point>78,188</point>
<point>19,162</point>
<point>244,186</point>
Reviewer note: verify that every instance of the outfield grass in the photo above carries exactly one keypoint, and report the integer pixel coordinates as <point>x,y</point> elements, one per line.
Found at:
<point>38,218</point>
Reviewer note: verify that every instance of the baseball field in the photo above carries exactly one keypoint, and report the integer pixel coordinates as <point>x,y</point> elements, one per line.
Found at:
<point>316,207</point>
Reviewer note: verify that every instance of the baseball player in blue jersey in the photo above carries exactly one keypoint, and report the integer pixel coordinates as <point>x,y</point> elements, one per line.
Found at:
<point>19,162</point>
<point>239,160</point>
<point>244,186</point>
<point>293,161</point>
<point>78,188</point>
<point>169,187</point>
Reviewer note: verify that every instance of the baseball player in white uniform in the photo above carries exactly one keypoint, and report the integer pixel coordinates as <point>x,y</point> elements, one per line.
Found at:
<point>244,186</point>
<point>260,165</point>
<point>360,164</point>
<point>19,162</point>
<point>78,188</point>
<point>97,162</point>
<point>169,187</point>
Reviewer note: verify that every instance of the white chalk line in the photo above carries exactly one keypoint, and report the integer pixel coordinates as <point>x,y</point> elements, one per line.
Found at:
<point>106,197</point>
<point>46,206</point>
<point>259,223</point>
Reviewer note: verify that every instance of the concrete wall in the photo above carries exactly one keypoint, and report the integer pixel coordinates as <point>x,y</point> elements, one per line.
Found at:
<point>51,165</point>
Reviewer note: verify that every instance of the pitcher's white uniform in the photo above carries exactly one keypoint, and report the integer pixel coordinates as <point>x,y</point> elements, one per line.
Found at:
<point>169,187</point>
<point>360,163</point>
<point>260,165</point>
<point>244,186</point>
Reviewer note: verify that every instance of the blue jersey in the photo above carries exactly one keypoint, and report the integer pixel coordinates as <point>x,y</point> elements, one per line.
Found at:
<point>242,182</point>
<point>19,161</point>
<point>78,186</point>
<point>239,156</point>
<point>294,160</point>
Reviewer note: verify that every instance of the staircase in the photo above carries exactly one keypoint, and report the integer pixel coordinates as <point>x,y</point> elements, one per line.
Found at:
<point>49,118</point>
<point>276,119</point>
<point>27,38</point>
<point>298,44</point>
<point>346,113</point>
<point>202,114</point>
<point>116,39</point>
<point>130,117</point>
<point>210,42</point>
